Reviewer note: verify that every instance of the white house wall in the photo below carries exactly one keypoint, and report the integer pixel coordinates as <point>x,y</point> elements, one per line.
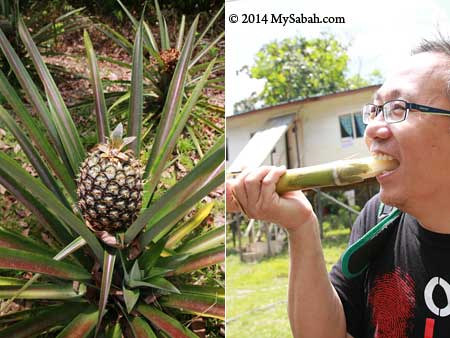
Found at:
<point>321,130</point>
<point>240,129</point>
<point>318,129</point>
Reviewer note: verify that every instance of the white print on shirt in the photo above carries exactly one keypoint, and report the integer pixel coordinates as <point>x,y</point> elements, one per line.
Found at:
<point>428,294</point>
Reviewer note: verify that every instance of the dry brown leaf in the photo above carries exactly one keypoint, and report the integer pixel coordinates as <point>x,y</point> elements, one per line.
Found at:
<point>199,327</point>
<point>181,167</point>
<point>17,148</point>
<point>4,146</point>
<point>23,224</point>
<point>21,213</point>
<point>46,238</point>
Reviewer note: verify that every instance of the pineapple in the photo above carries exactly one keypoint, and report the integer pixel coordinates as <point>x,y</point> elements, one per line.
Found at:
<point>109,186</point>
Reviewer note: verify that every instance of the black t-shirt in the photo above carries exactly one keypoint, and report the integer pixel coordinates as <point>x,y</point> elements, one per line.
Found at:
<point>405,292</point>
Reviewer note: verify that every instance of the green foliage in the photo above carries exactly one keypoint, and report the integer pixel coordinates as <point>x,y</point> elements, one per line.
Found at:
<point>256,300</point>
<point>357,81</point>
<point>335,216</point>
<point>297,68</point>
<point>246,104</point>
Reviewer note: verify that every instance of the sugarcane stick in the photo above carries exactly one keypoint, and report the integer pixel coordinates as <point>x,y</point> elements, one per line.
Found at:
<point>337,173</point>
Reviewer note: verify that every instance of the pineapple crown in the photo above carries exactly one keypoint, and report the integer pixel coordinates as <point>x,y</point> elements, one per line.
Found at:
<point>117,141</point>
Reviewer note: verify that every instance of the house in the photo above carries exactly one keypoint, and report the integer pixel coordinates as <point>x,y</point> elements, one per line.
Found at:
<point>299,133</point>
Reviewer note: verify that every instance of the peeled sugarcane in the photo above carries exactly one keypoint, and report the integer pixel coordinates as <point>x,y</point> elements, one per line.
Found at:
<point>337,173</point>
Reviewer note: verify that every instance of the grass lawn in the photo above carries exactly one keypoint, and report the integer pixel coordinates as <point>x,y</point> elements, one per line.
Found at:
<point>256,293</point>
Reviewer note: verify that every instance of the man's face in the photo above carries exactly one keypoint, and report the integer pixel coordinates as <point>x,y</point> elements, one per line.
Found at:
<point>421,143</point>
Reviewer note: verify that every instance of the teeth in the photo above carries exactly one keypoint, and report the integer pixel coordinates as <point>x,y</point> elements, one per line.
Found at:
<point>382,157</point>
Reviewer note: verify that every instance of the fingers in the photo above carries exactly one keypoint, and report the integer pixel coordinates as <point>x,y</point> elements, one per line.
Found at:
<point>248,188</point>
<point>238,190</point>
<point>268,194</point>
<point>231,203</point>
<point>252,183</point>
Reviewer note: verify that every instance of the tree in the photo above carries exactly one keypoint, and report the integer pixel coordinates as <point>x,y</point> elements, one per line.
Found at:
<point>246,104</point>
<point>298,68</point>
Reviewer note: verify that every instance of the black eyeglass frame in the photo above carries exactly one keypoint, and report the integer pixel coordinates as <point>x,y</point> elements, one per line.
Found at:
<point>408,106</point>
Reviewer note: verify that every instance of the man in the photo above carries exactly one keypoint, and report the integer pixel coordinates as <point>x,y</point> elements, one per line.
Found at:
<point>405,291</point>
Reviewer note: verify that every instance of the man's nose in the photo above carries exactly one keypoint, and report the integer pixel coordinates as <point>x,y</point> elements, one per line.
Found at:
<point>378,129</point>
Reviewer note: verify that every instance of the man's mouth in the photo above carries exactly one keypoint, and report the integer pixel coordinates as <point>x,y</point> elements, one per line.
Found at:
<point>388,162</point>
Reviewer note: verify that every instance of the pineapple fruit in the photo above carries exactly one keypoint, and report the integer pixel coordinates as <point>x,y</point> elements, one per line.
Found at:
<point>109,185</point>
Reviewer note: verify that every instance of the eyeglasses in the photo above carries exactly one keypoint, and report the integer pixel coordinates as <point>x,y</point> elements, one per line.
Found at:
<point>397,110</point>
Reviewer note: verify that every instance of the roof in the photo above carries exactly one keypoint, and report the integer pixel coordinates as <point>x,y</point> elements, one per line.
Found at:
<point>262,143</point>
<point>307,100</point>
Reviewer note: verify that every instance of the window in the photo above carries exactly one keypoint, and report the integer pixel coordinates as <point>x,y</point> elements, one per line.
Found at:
<point>352,125</point>
<point>360,127</point>
<point>346,124</point>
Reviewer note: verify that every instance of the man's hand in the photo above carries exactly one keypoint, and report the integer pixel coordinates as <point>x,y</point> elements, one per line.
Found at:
<point>253,193</point>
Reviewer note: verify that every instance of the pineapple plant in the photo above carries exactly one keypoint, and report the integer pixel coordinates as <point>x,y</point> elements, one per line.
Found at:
<point>159,64</point>
<point>128,254</point>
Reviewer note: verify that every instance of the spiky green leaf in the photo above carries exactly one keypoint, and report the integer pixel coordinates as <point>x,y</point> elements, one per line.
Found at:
<point>42,34</point>
<point>141,328</point>
<point>5,281</point>
<point>20,178</point>
<point>136,99</point>
<point>51,223</point>
<point>43,291</point>
<point>156,272</point>
<point>206,50</point>
<point>169,113</point>
<point>99,98</point>
<point>107,274</point>
<point>118,38</point>
<point>211,291</point>
<point>12,240</point>
<point>63,121</point>
<point>44,320</point>
<point>178,234</point>
<point>159,228</point>
<point>180,37</point>
<point>165,323</point>
<point>81,326</point>
<point>205,241</point>
<point>209,25</point>
<point>155,164</point>
<point>34,97</point>
<point>130,296</point>
<point>36,135</point>
<point>151,45</point>
<point>135,273</point>
<point>34,157</point>
<point>192,184</point>
<point>163,34</point>
<point>127,12</point>
<point>201,260</point>
<point>148,259</point>
<point>160,283</point>
<point>200,305</point>
<point>71,248</point>
<point>27,261</point>
<point>114,331</point>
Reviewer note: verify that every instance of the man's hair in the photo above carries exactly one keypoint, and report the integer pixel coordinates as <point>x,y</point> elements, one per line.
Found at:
<point>441,44</point>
